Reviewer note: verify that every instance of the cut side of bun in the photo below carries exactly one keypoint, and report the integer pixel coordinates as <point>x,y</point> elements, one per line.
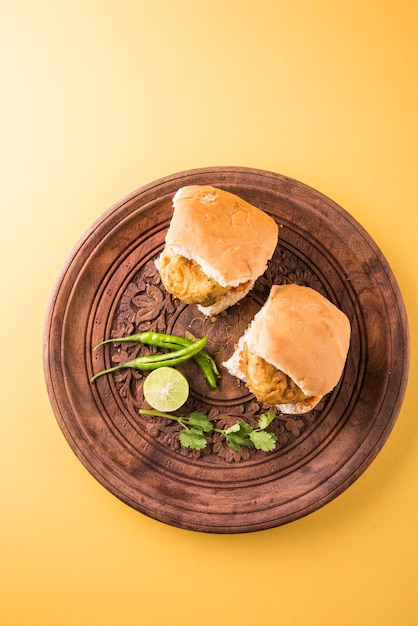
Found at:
<point>229,239</point>
<point>303,335</point>
<point>226,301</point>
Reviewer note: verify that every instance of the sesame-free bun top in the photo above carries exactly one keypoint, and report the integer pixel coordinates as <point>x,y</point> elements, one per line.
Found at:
<point>229,237</point>
<point>302,334</point>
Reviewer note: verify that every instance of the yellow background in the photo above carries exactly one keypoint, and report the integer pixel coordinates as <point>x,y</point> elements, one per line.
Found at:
<point>102,96</point>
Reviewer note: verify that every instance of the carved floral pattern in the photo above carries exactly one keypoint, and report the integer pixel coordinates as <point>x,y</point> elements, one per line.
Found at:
<point>145,305</point>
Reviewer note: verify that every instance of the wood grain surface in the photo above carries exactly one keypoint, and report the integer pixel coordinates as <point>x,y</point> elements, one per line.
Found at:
<point>110,287</point>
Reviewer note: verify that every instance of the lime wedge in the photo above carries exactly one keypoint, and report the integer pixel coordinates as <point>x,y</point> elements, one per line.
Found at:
<point>166,389</point>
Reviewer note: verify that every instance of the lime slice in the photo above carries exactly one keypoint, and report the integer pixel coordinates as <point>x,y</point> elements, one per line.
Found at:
<point>166,389</point>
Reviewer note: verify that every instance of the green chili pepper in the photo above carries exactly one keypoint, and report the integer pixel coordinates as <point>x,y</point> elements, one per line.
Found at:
<point>202,361</point>
<point>153,361</point>
<point>172,342</point>
<point>151,338</point>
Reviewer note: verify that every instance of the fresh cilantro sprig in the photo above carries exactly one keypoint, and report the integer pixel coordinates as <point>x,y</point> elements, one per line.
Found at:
<point>197,425</point>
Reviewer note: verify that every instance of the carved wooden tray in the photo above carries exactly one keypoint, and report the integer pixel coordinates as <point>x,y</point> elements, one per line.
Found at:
<point>110,287</point>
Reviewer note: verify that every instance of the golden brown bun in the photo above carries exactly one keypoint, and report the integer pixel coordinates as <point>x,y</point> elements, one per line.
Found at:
<point>231,239</point>
<point>302,334</point>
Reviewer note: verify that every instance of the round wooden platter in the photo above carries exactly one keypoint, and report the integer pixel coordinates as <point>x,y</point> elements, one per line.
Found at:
<point>110,287</point>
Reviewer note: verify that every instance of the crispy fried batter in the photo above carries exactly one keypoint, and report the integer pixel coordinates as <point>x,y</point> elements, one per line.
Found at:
<point>185,279</point>
<point>267,383</point>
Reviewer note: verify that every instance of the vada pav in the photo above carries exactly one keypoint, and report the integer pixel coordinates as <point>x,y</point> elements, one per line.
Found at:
<point>294,351</point>
<point>216,246</point>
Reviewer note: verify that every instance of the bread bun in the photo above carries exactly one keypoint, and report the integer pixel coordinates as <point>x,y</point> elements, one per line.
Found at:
<point>231,239</point>
<point>303,335</point>
<point>227,300</point>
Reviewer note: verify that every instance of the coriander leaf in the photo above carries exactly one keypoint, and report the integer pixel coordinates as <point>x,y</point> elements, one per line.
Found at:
<point>198,414</point>
<point>239,427</point>
<point>232,429</point>
<point>234,445</point>
<point>266,419</point>
<point>244,428</point>
<point>263,440</point>
<point>236,441</point>
<point>193,438</point>
<point>201,421</point>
